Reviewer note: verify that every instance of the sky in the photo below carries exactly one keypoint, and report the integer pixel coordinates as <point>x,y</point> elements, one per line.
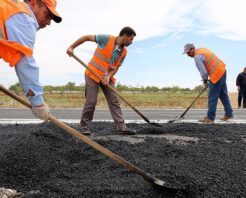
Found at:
<point>155,58</point>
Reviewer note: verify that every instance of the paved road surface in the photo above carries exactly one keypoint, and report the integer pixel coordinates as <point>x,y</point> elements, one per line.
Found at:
<point>163,114</point>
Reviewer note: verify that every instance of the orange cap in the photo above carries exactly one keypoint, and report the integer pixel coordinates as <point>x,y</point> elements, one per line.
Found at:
<point>51,5</point>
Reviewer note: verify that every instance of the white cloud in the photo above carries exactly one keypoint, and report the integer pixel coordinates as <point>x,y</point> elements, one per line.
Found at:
<point>223,18</point>
<point>165,18</point>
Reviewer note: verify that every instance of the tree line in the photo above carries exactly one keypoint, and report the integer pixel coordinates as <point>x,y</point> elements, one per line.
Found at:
<point>72,87</point>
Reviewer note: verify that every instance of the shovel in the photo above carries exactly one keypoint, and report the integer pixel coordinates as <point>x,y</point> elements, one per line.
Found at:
<point>147,176</point>
<point>183,114</point>
<point>117,93</point>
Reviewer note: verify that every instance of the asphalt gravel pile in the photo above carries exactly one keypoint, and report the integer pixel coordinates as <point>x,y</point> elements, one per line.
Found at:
<point>43,161</point>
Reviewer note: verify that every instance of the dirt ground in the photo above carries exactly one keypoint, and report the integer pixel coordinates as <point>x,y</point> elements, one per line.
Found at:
<point>43,161</point>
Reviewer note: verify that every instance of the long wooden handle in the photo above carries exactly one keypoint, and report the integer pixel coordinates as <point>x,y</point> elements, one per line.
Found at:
<point>112,89</point>
<point>90,142</point>
<point>183,114</point>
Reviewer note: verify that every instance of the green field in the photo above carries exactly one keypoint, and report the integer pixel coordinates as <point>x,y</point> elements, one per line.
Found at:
<point>139,100</point>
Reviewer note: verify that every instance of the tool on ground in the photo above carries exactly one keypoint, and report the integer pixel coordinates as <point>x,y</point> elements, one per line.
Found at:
<point>183,114</point>
<point>117,93</point>
<point>147,176</point>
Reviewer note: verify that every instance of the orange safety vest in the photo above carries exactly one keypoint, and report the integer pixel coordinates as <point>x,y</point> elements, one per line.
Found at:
<point>101,61</point>
<point>10,51</point>
<point>215,67</point>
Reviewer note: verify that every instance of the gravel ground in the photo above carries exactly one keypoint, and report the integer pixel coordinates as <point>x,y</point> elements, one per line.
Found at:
<point>43,161</point>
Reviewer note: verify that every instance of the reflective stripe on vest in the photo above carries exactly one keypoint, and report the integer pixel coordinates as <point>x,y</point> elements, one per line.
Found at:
<point>214,66</point>
<point>102,57</point>
<point>10,51</point>
<point>99,67</point>
<point>101,62</point>
<point>210,59</point>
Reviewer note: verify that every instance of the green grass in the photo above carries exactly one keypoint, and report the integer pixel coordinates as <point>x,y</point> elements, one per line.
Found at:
<point>139,100</point>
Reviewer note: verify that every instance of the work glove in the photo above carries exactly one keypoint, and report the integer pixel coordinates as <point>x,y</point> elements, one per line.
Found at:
<point>41,112</point>
<point>205,83</point>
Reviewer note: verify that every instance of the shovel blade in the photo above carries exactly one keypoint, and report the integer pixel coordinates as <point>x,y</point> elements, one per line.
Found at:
<point>175,120</point>
<point>162,185</point>
<point>155,124</point>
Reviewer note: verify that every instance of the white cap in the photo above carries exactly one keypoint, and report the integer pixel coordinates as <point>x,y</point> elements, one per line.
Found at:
<point>187,47</point>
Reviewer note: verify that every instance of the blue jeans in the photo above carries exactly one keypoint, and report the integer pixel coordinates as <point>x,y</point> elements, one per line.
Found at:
<point>216,91</point>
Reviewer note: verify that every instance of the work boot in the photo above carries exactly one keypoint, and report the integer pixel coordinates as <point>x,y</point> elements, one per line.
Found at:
<point>126,131</point>
<point>7,193</point>
<point>205,120</point>
<point>85,131</point>
<point>226,117</point>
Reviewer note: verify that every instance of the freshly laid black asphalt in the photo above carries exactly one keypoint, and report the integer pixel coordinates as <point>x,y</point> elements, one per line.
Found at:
<point>43,161</point>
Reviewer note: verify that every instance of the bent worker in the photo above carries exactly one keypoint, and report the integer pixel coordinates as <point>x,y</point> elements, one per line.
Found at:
<point>108,57</point>
<point>241,87</point>
<point>213,74</point>
<point>19,22</point>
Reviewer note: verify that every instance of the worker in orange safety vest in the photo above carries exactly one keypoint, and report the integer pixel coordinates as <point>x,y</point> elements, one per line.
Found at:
<point>19,22</point>
<point>213,73</point>
<point>108,57</point>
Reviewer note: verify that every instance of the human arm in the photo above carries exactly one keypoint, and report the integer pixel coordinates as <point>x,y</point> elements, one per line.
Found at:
<point>106,78</point>
<point>80,41</point>
<point>199,60</point>
<point>238,80</point>
<point>22,28</point>
<point>112,69</point>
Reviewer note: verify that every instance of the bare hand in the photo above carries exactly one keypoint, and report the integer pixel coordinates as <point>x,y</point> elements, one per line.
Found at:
<point>105,80</point>
<point>70,51</point>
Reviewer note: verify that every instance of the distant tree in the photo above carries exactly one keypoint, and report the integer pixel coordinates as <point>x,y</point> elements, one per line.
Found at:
<point>49,88</point>
<point>121,87</point>
<point>70,86</point>
<point>198,88</point>
<point>16,88</point>
<point>151,89</point>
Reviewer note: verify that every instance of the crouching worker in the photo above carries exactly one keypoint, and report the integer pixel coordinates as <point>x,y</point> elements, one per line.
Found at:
<point>209,65</point>
<point>108,57</point>
<point>19,22</point>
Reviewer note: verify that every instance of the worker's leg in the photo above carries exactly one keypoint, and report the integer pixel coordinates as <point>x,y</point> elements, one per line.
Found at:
<point>240,96</point>
<point>114,106</point>
<point>91,93</point>
<point>225,98</point>
<point>213,96</point>
<point>244,97</point>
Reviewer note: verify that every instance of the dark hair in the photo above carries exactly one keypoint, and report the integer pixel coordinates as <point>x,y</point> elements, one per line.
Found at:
<point>128,31</point>
<point>39,2</point>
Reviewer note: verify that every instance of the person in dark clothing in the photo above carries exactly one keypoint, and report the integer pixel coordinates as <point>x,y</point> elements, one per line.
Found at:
<point>241,87</point>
